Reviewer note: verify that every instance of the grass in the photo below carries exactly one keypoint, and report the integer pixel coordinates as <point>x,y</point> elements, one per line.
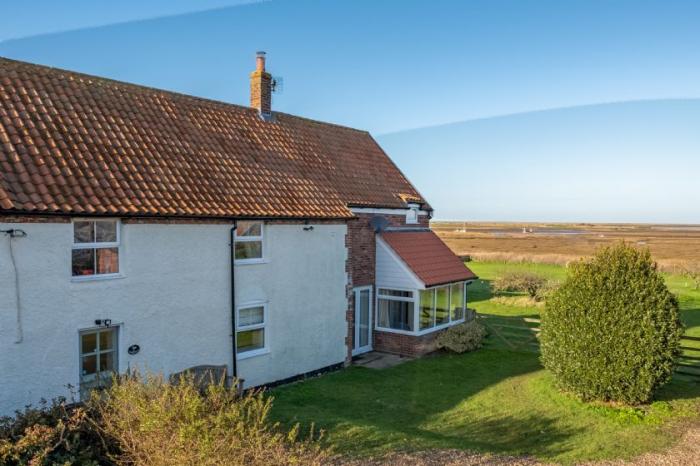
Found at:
<point>494,400</point>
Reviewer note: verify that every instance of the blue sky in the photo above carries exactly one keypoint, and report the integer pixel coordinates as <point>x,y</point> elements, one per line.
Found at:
<point>392,66</point>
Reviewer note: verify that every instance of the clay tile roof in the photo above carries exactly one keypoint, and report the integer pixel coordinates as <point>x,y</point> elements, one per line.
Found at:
<point>428,256</point>
<point>77,144</point>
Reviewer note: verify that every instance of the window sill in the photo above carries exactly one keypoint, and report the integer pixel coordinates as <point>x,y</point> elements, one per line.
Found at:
<point>96,278</point>
<point>400,332</point>
<point>437,328</point>
<point>250,261</point>
<point>252,354</point>
<point>421,333</point>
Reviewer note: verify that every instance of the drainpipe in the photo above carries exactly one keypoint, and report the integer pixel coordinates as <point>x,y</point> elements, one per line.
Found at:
<point>12,234</point>
<point>233,300</point>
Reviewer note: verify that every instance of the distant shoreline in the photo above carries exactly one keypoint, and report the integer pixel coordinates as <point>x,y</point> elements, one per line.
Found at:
<point>673,246</point>
<point>562,223</point>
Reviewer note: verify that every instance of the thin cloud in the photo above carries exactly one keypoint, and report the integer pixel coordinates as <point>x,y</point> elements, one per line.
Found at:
<point>236,4</point>
<point>538,110</point>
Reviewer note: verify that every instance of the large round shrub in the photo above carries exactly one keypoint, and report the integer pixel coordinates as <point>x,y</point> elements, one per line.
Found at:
<point>611,331</point>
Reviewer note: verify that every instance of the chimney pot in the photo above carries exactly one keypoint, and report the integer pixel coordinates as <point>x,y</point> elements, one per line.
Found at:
<point>260,61</point>
<point>261,87</point>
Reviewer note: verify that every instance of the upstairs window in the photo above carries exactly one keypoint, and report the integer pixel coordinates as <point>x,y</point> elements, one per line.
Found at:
<point>95,248</point>
<point>249,242</point>
<point>412,215</point>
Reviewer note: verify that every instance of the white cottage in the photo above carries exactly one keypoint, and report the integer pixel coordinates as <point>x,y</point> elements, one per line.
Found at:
<point>141,228</point>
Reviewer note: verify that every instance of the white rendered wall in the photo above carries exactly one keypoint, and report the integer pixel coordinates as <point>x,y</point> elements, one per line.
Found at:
<point>304,285</point>
<point>173,300</point>
<point>392,272</point>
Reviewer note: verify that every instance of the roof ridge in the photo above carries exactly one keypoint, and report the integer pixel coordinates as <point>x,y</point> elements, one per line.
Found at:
<point>143,87</point>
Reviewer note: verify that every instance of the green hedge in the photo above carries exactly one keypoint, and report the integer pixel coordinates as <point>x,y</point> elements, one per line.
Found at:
<point>612,331</point>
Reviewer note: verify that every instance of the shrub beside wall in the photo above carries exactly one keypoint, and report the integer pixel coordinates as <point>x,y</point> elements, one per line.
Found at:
<point>53,434</point>
<point>462,338</point>
<point>612,330</point>
<point>149,422</point>
<point>155,423</point>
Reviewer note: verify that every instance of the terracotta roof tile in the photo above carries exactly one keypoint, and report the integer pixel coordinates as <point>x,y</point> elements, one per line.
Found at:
<point>72,143</point>
<point>428,256</point>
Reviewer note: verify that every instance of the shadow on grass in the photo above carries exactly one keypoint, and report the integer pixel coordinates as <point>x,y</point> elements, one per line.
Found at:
<point>679,388</point>
<point>478,291</point>
<point>530,435</point>
<point>690,315</point>
<point>422,404</point>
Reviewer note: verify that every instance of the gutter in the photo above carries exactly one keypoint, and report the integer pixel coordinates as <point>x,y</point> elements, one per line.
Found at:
<point>467,281</point>
<point>223,218</point>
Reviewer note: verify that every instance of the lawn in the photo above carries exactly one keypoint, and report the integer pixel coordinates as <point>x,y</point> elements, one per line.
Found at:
<point>494,400</point>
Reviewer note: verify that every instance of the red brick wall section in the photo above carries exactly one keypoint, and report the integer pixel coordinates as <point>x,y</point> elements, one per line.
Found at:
<point>405,345</point>
<point>361,264</point>
<point>361,245</point>
<point>33,219</point>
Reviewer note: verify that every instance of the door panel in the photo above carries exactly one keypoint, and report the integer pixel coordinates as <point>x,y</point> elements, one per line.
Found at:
<point>362,341</point>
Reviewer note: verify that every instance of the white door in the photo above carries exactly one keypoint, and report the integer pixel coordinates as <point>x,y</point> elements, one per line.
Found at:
<point>362,341</point>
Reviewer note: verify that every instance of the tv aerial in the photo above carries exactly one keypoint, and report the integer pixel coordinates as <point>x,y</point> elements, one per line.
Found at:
<point>277,84</point>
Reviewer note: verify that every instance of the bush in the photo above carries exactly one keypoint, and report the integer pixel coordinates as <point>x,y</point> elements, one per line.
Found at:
<point>146,421</point>
<point>612,331</point>
<point>691,270</point>
<point>155,423</point>
<point>52,433</point>
<point>521,282</point>
<point>545,291</point>
<point>462,338</point>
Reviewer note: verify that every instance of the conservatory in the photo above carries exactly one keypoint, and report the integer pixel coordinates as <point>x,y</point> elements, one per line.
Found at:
<point>421,288</point>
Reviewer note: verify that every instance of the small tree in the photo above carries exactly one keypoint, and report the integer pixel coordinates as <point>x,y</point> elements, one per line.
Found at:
<point>523,282</point>
<point>612,330</point>
<point>691,271</point>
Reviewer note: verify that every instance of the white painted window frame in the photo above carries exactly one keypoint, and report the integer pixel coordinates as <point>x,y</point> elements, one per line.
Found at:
<point>356,328</point>
<point>416,310</point>
<point>412,214</point>
<point>414,294</point>
<point>117,331</point>
<point>97,245</point>
<point>243,328</point>
<point>249,239</point>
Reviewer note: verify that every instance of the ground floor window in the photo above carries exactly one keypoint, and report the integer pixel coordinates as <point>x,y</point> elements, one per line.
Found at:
<point>395,309</point>
<point>98,358</point>
<point>457,301</point>
<point>442,305</point>
<point>419,311</point>
<point>250,329</point>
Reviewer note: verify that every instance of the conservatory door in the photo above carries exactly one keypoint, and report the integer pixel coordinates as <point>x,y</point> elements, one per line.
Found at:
<point>362,339</point>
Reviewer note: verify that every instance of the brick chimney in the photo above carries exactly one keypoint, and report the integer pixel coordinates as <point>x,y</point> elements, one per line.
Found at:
<point>261,87</point>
